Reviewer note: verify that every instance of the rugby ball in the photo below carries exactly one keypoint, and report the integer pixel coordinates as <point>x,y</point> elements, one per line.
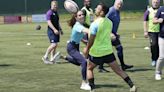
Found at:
<point>71,6</point>
<point>38,27</point>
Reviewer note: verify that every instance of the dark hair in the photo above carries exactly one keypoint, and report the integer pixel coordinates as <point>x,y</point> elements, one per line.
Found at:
<point>104,8</point>
<point>72,21</point>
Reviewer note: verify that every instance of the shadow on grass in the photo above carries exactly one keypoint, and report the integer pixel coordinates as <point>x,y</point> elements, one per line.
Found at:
<point>136,69</point>
<point>108,85</point>
<point>140,70</point>
<point>5,65</point>
<point>63,62</point>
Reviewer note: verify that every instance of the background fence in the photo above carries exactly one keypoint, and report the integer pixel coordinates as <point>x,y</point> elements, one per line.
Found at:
<point>23,7</point>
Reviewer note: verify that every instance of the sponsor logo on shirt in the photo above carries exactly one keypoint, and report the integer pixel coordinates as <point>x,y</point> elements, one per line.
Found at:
<point>52,41</point>
<point>162,12</point>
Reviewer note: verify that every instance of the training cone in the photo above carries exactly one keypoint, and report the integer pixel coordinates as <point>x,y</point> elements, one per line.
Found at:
<point>134,36</point>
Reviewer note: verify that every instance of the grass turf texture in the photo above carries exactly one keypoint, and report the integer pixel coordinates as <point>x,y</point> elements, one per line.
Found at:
<point>21,68</point>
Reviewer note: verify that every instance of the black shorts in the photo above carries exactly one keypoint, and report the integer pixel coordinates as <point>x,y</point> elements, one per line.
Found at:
<point>104,59</point>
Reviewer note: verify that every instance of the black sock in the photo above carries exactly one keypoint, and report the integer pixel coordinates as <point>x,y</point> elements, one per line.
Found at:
<point>128,81</point>
<point>91,83</point>
<point>121,60</point>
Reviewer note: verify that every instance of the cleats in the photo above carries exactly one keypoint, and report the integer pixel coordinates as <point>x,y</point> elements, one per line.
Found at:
<point>56,57</point>
<point>133,89</point>
<point>153,63</point>
<point>158,77</point>
<point>124,67</point>
<point>85,86</point>
<point>46,61</point>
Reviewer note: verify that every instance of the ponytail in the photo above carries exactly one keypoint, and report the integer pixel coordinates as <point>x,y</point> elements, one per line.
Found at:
<point>72,21</point>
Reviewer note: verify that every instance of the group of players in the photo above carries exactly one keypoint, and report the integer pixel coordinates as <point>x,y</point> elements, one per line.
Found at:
<point>154,29</point>
<point>99,32</point>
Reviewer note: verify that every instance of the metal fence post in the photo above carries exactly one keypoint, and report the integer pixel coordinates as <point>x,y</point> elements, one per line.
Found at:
<point>25,7</point>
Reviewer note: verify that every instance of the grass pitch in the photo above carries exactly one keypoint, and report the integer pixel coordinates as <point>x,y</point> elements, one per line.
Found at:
<point>21,68</point>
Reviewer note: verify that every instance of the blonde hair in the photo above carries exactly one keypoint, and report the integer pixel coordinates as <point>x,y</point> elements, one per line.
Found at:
<point>54,1</point>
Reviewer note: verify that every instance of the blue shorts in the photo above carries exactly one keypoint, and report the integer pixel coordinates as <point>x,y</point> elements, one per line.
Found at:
<point>52,36</point>
<point>101,60</point>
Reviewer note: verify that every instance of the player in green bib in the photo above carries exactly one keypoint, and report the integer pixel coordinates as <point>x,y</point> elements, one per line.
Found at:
<point>89,17</point>
<point>152,30</point>
<point>99,48</point>
<point>88,12</point>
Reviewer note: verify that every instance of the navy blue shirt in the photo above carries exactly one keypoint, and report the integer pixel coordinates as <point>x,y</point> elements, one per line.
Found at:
<point>160,14</point>
<point>54,18</point>
<point>114,16</point>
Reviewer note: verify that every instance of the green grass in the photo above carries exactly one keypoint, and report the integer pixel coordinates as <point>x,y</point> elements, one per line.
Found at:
<point>21,68</point>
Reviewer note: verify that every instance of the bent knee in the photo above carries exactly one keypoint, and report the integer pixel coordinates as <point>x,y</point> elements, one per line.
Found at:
<point>53,44</point>
<point>91,66</point>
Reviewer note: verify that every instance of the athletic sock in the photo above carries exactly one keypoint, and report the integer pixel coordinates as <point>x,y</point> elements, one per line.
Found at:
<point>91,83</point>
<point>51,56</point>
<point>46,54</point>
<point>129,82</point>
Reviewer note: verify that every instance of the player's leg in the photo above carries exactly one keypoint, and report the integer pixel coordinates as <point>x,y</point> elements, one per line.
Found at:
<point>120,55</point>
<point>53,52</point>
<point>154,48</point>
<point>73,51</point>
<point>54,39</point>
<point>83,63</point>
<point>90,75</point>
<point>71,60</point>
<point>52,55</point>
<point>49,49</point>
<point>115,67</point>
<point>160,61</point>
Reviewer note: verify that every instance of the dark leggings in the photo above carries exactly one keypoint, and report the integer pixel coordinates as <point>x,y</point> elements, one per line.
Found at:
<point>76,58</point>
<point>154,46</point>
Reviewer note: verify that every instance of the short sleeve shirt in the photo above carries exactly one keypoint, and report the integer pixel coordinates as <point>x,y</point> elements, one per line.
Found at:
<point>77,32</point>
<point>53,17</point>
<point>94,28</point>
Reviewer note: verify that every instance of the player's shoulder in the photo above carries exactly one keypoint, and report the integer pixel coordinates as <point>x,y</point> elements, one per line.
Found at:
<point>112,9</point>
<point>95,23</point>
<point>77,24</point>
<point>108,19</point>
<point>161,8</point>
<point>49,11</point>
<point>82,8</point>
<point>149,9</point>
<point>111,12</point>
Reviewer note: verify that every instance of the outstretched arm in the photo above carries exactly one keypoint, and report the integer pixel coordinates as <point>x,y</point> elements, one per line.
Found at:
<point>89,45</point>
